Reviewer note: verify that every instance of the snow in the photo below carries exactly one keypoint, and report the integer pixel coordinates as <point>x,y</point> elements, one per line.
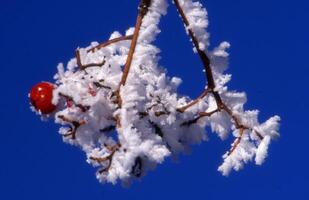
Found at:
<point>143,141</point>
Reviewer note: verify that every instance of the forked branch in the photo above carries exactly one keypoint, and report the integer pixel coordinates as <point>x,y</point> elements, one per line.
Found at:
<point>74,126</point>
<point>109,158</point>
<point>211,85</point>
<point>109,42</point>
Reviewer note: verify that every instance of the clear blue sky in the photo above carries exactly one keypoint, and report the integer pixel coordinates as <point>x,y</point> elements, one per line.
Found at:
<point>269,60</point>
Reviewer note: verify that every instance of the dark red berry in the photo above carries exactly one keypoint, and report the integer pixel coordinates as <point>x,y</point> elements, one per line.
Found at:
<point>41,96</point>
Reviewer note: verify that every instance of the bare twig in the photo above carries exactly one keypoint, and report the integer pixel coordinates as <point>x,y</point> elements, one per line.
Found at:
<point>109,42</point>
<point>204,58</point>
<point>211,83</point>
<point>143,9</point>
<point>74,126</point>
<point>199,116</point>
<point>194,102</point>
<point>237,141</point>
<point>108,158</point>
<point>93,49</point>
<point>83,67</point>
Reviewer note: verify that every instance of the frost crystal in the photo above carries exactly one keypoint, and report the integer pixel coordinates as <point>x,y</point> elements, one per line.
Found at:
<point>119,106</point>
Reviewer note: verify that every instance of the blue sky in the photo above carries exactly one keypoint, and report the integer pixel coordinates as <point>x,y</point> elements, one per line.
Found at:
<point>269,56</point>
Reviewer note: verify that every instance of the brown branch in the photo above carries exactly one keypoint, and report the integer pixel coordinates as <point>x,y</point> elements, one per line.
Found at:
<point>211,82</point>
<point>200,115</point>
<point>74,126</point>
<point>194,102</point>
<point>203,56</point>
<point>105,44</point>
<point>143,9</point>
<point>108,158</point>
<point>109,42</point>
<point>83,67</point>
<point>237,141</point>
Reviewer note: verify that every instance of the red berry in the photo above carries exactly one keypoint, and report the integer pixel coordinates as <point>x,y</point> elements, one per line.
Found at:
<point>41,96</point>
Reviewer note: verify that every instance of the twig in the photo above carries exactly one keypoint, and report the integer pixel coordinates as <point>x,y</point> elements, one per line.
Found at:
<point>74,126</point>
<point>192,103</point>
<point>143,9</point>
<point>108,158</point>
<point>204,58</point>
<point>109,42</point>
<point>200,115</point>
<point>237,141</point>
<point>105,44</point>
<point>83,67</point>
<point>210,79</point>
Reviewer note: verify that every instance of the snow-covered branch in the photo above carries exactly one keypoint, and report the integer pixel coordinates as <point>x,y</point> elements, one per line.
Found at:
<point>119,106</point>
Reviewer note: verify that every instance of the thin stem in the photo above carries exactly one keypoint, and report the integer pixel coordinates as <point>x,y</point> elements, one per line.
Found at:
<point>237,141</point>
<point>211,84</point>
<point>74,126</point>
<point>192,103</point>
<point>108,158</point>
<point>199,116</point>
<point>143,8</point>
<point>109,42</point>
<point>83,67</point>
<point>93,49</point>
<point>203,56</point>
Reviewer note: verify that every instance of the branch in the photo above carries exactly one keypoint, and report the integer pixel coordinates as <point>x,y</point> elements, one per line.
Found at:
<point>237,141</point>
<point>204,58</point>
<point>108,158</point>
<point>192,103</point>
<point>93,49</point>
<point>83,67</point>
<point>74,126</point>
<point>109,42</point>
<point>143,9</point>
<point>211,84</point>
<point>200,115</point>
